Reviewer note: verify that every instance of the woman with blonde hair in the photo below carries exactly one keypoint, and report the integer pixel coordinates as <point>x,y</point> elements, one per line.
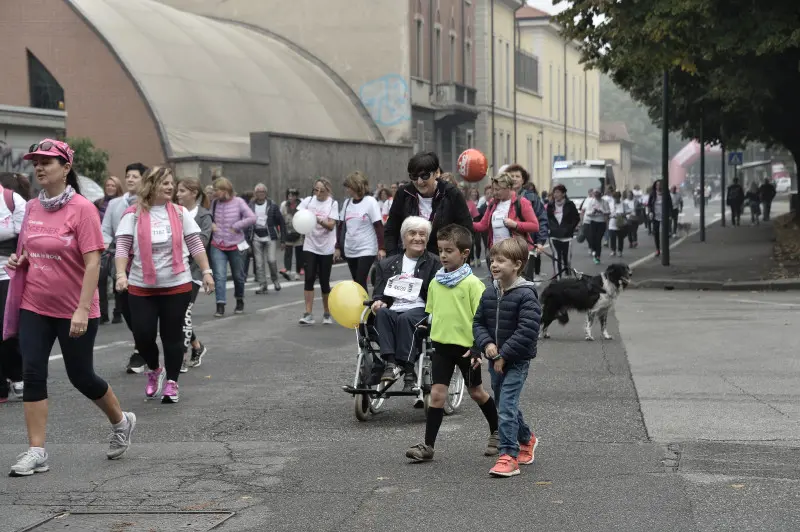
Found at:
<point>319,248</point>
<point>231,217</point>
<point>190,195</point>
<point>159,237</point>
<point>361,228</point>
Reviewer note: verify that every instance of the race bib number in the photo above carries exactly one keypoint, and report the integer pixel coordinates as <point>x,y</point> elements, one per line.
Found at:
<point>498,222</point>
<point>261,220</point>
<point>403,286</point>
<point>159,234</point>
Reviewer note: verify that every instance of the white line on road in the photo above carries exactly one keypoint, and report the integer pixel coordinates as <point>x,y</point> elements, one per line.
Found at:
<point>773,303</point>
<point>678,242</point>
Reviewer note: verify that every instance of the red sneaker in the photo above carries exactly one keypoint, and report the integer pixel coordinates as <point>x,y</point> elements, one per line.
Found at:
<point>527,450</point>
<point>506,466</point>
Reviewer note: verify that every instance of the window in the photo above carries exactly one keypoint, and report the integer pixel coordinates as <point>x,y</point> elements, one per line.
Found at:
<point>574,101</point>
<point>508,148</point>
<point>527,71</point>
<point>500,148</point>
<point>453,57</point>
<point>551,154</point>
<point>470,138</point>
<point>45,91</point>
<point>509,83</point>
<point>420,60</point>
<point>591,108</point>
<point>420,142</point>
<point>558,95</point>
<point>550,94</point>
<point>530,154</point>
<point>498,71</point>
<point>558,149</point>
<point>494,150</point>
<point>468,64</point>
<point>437,53</point>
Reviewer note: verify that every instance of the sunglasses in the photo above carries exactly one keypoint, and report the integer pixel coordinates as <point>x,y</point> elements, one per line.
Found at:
<point>425,177</point>
<point>47,146</point>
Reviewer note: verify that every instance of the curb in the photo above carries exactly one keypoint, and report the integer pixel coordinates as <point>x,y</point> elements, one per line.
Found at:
<point>777,285</point>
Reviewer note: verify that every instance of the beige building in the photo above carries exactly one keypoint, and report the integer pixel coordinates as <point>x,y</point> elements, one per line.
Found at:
<point>616,147</point>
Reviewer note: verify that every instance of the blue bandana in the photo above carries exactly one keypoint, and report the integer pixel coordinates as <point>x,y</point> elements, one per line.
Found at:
<point>451,279</point>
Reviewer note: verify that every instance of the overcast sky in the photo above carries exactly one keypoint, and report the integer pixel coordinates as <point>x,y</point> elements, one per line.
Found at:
<point>547,5</point>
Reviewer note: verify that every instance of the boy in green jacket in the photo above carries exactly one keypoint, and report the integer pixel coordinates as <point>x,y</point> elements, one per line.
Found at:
<point>453,299</point>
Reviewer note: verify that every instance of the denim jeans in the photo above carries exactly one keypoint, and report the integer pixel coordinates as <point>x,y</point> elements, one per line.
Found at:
<point>219,263</point>
<point>507,389</point>
<point>264,255</point>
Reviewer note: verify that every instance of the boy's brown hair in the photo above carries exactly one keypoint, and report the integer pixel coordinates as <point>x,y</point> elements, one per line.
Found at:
<point>513,249</point>
<point>456,234</point>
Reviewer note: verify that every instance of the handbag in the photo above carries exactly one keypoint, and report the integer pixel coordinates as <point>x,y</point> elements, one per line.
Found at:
<point>581,238</point>
<point>15,289</point>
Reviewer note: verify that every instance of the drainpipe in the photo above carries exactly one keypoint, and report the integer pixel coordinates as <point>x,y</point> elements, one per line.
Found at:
<point>585,115</point>
<point>514,88</point>
<point>566,79</point>
<point>430,48</point>
<point>463,44</point>
<point>492,133</point>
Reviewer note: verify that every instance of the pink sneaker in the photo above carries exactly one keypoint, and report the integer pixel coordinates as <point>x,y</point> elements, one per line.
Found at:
<point>155,382</point>
<point>170,393</point>
<point>527,451</point>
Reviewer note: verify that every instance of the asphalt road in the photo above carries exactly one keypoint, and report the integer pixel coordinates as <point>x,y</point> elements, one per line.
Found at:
<point>263,430</point>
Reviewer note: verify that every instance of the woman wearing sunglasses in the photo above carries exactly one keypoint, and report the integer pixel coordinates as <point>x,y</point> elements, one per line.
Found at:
<point>319,247</point>
<point>427,196</point>
<point>59,257</point>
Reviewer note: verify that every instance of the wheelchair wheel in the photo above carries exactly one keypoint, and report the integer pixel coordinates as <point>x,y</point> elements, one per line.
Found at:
<point>362,407</point>
<point>376,403</point>
<point>455,393</point>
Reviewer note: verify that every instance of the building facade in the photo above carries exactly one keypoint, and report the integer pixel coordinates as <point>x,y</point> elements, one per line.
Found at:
<point>616,147</point>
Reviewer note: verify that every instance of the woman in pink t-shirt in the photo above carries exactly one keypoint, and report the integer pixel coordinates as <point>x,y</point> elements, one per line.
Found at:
<point>61,242</point>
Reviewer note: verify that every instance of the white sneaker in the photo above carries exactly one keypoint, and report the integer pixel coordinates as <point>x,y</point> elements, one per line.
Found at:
<point>17,388</point>
<point>326,319</point>
<point>307,319</point>
<point>28,463</point>
<point>121,439</point>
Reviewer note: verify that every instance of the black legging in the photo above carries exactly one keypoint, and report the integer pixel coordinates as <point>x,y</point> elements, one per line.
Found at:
<point>595,237</point>
<point>359,269</point>
<point>655,226</point>
<point>318,266</point>
<point>188,326</point>
<point>633,233</point>
<point>561,254</point>
<point>37,334</point>
<point>163,314</point>
<point>298,258</point>
<point>102,284</point>
<point>10,357</point>
<point>736,213</point>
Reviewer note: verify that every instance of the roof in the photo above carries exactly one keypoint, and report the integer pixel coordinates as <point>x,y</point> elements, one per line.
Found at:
<point>532,12</point>
<point>211,83</point>
<point>614,132</point>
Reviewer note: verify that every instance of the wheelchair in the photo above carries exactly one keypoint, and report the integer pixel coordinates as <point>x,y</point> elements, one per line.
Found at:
<point>370,394</point>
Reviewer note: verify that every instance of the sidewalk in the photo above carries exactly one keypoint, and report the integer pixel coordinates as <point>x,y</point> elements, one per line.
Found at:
<point>731,258</point>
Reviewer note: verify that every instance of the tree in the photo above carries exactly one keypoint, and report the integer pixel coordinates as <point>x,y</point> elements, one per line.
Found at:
<point>90,161</point>
<point>733,62</point>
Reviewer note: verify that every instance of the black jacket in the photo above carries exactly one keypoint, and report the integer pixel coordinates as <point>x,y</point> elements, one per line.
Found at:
<point>449,207</point>
<point>767,192</point>
<point>735,195</point>
<point>569,221</point>
<point>666,203</point>
<point>510,321</point>
<point>276,226</point>
<point>427,266</point>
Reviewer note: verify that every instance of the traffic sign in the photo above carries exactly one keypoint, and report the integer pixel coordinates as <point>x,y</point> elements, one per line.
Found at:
<point>557,158</point>
<point>735,158</point>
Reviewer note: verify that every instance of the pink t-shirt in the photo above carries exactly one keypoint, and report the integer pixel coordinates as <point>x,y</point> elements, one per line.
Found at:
<point>56,242</point>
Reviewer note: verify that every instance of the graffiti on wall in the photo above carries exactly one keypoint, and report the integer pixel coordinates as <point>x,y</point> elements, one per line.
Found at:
<point>11,159</point>
<point>387,99</point>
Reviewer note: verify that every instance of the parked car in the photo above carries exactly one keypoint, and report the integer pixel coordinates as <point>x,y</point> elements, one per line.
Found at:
<point>783,184</point>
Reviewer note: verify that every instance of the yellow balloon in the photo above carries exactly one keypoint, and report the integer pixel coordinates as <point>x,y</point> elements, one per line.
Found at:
<point>346,303</point>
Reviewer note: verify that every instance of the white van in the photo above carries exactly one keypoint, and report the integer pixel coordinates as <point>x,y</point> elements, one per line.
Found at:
<point>580,176</point>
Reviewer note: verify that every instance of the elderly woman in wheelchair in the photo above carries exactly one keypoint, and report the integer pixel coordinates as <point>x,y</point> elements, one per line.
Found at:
<point>401,290</point>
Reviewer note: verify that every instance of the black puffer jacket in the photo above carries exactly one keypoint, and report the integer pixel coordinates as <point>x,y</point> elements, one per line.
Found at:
<point>427,266</point>
<point>449,207</point>
<point>570,220</point>
<point>509,320</point>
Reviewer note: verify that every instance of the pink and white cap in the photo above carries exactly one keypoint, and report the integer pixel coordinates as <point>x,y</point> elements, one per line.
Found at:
<point>51,148</point>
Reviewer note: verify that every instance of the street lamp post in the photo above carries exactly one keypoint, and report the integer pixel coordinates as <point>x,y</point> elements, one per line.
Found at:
<point>665,213</point>
<point>702,178</point>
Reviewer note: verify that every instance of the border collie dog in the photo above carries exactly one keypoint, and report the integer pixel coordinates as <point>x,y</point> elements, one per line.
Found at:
<point>593,295</point>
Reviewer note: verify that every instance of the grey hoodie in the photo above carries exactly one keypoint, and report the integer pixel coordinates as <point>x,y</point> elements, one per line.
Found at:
<point>116,208</point>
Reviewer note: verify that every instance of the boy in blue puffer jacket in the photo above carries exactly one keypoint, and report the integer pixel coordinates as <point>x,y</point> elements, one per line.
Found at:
<point>506,329</point>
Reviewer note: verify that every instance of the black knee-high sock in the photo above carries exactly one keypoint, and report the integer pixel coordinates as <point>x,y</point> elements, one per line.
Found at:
<point>435,416</point>
<point>489,410</point>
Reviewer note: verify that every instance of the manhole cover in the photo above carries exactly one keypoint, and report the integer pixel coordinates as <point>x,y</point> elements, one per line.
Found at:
<point>132,522</point>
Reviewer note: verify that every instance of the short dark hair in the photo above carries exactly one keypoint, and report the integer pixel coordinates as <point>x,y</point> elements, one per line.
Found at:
<point>424,162</point>
<point>457,234</point>
<point>136,166</point>
<point>518,168</point>
<point>514,249</point>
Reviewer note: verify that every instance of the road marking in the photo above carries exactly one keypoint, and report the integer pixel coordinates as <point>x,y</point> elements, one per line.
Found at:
<point>97,348</point>
<point>773,303</point>
<point>646,258</point>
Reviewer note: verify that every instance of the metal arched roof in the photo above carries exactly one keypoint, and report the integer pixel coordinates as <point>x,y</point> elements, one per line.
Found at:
<point>211,83</point>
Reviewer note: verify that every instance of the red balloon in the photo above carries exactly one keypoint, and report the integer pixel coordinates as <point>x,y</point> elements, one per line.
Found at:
<point>472,165</point>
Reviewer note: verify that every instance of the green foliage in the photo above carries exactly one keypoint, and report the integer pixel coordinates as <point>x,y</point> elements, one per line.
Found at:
<point>735,62</point>
<point>90,161</point>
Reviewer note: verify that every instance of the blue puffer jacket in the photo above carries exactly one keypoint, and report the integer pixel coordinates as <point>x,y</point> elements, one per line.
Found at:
<point>541,214</point>
<point>509,320</point>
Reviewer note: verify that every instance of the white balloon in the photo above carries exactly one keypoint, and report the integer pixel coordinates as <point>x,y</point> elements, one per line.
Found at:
<point>304,221</point>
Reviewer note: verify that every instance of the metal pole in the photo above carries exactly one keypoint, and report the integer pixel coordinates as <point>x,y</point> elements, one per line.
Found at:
<point>665,213</point>
<point>493,132</point>
<point>702,179</point>
<point>722,183</point>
